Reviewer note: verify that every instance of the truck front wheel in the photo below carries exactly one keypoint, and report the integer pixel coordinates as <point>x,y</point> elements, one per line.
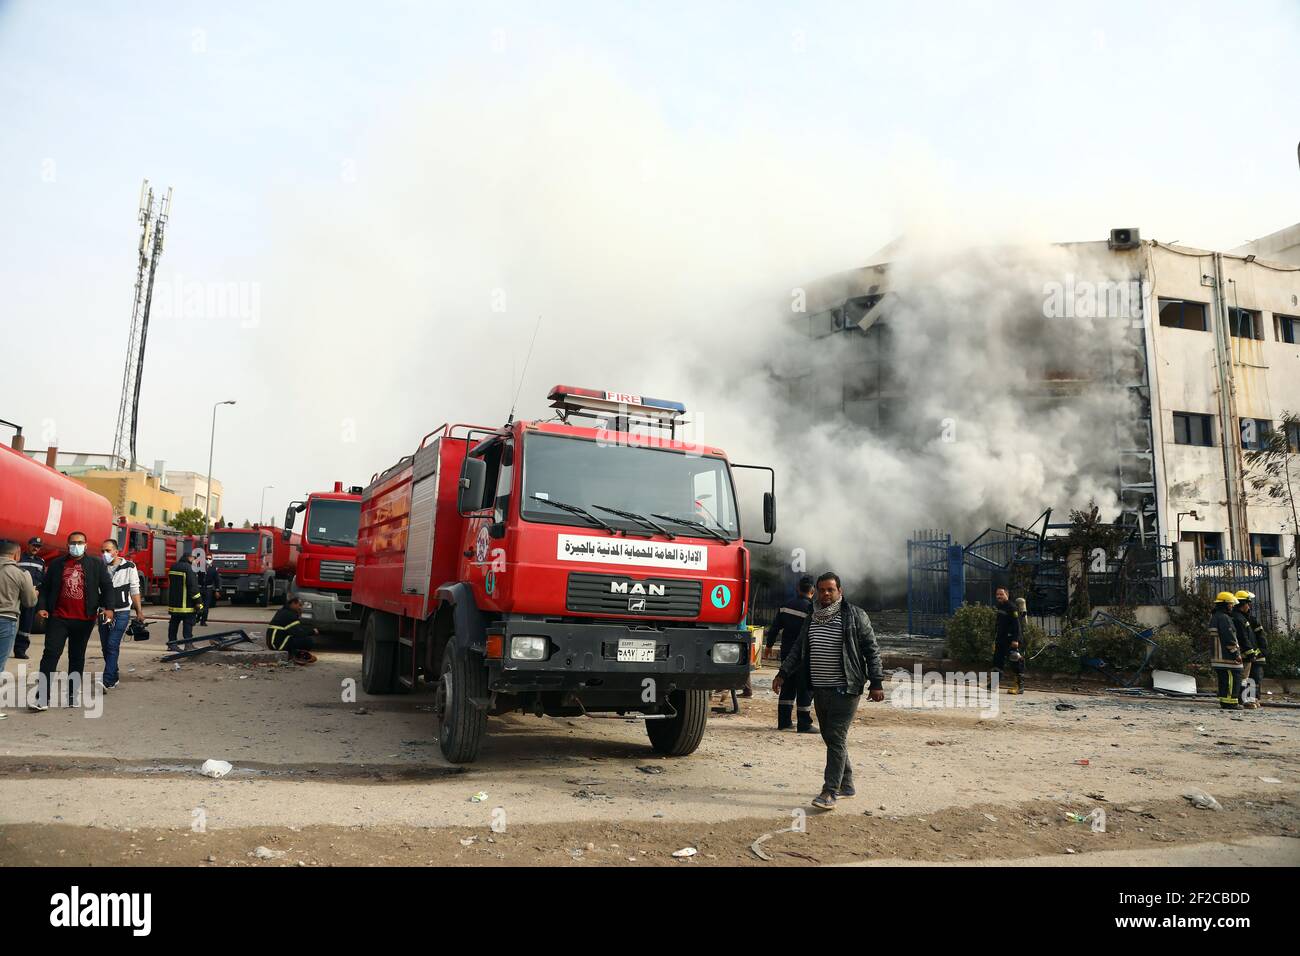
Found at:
<point>378,657</point>
<point>461,724</point>
<point>680,734</point>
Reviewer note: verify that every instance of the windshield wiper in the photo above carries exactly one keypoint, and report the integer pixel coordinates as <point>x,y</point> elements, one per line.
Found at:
<point>582,512</point>
<point>690,524</point>
<point>642,519</point>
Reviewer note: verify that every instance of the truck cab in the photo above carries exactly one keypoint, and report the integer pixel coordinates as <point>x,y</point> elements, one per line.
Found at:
<point>559,569</point>
<point>253,563</point>
<point>327,559</point>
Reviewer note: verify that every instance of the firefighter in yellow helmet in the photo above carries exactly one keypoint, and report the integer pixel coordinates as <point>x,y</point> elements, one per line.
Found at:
<point>1253,654</point>
<point>1225,653</point>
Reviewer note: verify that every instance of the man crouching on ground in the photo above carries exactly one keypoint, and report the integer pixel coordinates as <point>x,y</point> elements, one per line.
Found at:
<point>837,656</point>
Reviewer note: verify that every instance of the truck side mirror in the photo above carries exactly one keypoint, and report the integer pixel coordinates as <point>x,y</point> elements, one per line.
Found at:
<point>473,479</point>
<point>769,513</point>
<point>289,515</point>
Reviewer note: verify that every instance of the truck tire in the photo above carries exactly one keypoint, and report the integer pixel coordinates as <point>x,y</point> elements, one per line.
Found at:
<point>679,735</point>
<point>461,726</point>
<point>378,658</point>
<point>264,599</point>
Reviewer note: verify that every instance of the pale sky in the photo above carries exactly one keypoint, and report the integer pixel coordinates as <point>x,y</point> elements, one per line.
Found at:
<point>279,125</point>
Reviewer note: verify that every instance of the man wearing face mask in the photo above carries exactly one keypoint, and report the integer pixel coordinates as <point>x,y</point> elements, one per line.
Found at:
<point>126,595</point>
<point>78,588</point>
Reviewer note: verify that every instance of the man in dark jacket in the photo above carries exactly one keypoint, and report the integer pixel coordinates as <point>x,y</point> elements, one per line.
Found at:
<point>785,629</point>
<point>837,656</point>
<point>78,589</point>
<point>1225,651</point>
<point>211,581</point>
<point>1254,650</point>
<point>34,565</point>
<point>184,601</point>
<point>1008,640</point>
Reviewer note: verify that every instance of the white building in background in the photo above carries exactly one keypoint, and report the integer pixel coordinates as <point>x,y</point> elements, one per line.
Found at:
<point>193,489</point>
<point>1219,370</point>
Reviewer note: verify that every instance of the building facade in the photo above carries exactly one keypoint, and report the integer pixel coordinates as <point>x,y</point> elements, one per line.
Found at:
<point>193,490</point>
<point>1211,361</point>
<point>136,495</point>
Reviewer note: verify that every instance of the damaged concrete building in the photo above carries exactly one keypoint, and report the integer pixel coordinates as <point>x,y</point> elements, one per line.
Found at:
<point>1210,362</point>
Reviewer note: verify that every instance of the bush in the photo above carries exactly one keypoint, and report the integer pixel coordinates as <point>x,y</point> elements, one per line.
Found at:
<point>1175,653</point>
<point>1283,655</point>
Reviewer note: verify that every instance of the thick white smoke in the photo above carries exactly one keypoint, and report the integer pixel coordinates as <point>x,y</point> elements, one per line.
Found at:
<point>662,261</point>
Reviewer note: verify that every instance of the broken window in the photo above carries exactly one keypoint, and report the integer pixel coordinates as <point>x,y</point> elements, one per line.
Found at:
<point>1293,437</point>
<point>1179,314</point>
<point>1288,329</point>
<point>1265,546</point>
<point>1193,429</point>
<point>1255,433</point>
<point>1208,545</point>
<point>1245,324</point>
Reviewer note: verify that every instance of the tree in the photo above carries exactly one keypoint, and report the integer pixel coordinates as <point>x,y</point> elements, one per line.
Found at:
<point>247,523</point>
<point>1269,469</point>
<point>1087,534</point>
<point>187,521</point>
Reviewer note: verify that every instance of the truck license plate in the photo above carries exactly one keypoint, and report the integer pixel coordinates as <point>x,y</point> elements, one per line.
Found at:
<point>636,652</point>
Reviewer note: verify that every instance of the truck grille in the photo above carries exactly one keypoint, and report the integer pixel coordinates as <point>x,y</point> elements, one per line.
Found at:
<point>336,571</point>
<point>651,597</point>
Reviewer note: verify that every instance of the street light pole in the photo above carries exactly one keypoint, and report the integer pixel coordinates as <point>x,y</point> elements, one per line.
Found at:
<point>261,509</point>
<point>212,442</point>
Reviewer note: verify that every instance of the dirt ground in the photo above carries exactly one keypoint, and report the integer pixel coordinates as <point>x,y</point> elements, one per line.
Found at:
<point>324,777</point>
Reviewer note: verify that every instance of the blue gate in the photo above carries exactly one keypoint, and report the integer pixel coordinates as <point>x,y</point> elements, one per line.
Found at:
<point>935,581</point>
<point>1215,576</point>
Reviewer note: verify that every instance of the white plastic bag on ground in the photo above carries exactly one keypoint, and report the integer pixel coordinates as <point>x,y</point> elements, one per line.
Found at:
<point>215,769</point>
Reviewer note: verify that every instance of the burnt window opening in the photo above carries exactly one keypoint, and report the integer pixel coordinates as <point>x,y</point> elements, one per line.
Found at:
<point>1255,433</point>
<point>1265,546</point>
<point>1288,329</point>
<point>1207,545</point>
<point>1193,429</point>
<point>1245,324</point>
<point>1180,314</point>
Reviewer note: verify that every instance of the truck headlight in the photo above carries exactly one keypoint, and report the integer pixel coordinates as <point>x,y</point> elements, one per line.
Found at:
<point>306,605</point>
<point>726,653</point>
<point>525,648</point>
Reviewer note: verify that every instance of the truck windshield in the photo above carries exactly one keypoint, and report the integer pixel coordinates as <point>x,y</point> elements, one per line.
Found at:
<point>648,481</point>
<point>332,522</point>
<point>238,542</point>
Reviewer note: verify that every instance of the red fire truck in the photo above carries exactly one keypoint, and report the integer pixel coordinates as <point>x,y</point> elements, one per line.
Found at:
<point>254,562</point>
<point>37,501</point>
<point>326,562</point>
<point>560,570</point>
<point>153,551</point>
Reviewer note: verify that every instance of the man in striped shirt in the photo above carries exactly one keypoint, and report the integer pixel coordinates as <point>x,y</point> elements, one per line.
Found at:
<point>837,656</point>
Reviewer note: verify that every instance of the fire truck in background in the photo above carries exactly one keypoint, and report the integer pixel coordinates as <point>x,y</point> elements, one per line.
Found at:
<point>559,569</point>
<point>254,562</point>
<point>38,501</point>
<point>153,551</point>
<point>327,558</point>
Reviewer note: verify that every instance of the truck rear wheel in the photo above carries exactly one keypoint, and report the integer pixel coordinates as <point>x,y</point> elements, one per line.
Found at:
<point>378,657</point>
<point>461,725</point>
<point>680,734</point>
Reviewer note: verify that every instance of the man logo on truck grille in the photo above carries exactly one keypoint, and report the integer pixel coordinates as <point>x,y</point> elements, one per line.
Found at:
<point>636,604</point>
<point>636,587</point>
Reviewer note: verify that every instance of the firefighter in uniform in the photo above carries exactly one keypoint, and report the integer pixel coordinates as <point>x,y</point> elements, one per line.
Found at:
<point>1007,649</point>
<point>34,565</point>
<point>1225,651</point>
<point>288,633</point>
<point>786,628</point>
<point>1254,656</point>
<point>184,600</point>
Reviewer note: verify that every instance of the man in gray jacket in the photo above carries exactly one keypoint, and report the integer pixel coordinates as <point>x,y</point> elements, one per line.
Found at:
<point>837,656</point>
<point>16,592</point>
